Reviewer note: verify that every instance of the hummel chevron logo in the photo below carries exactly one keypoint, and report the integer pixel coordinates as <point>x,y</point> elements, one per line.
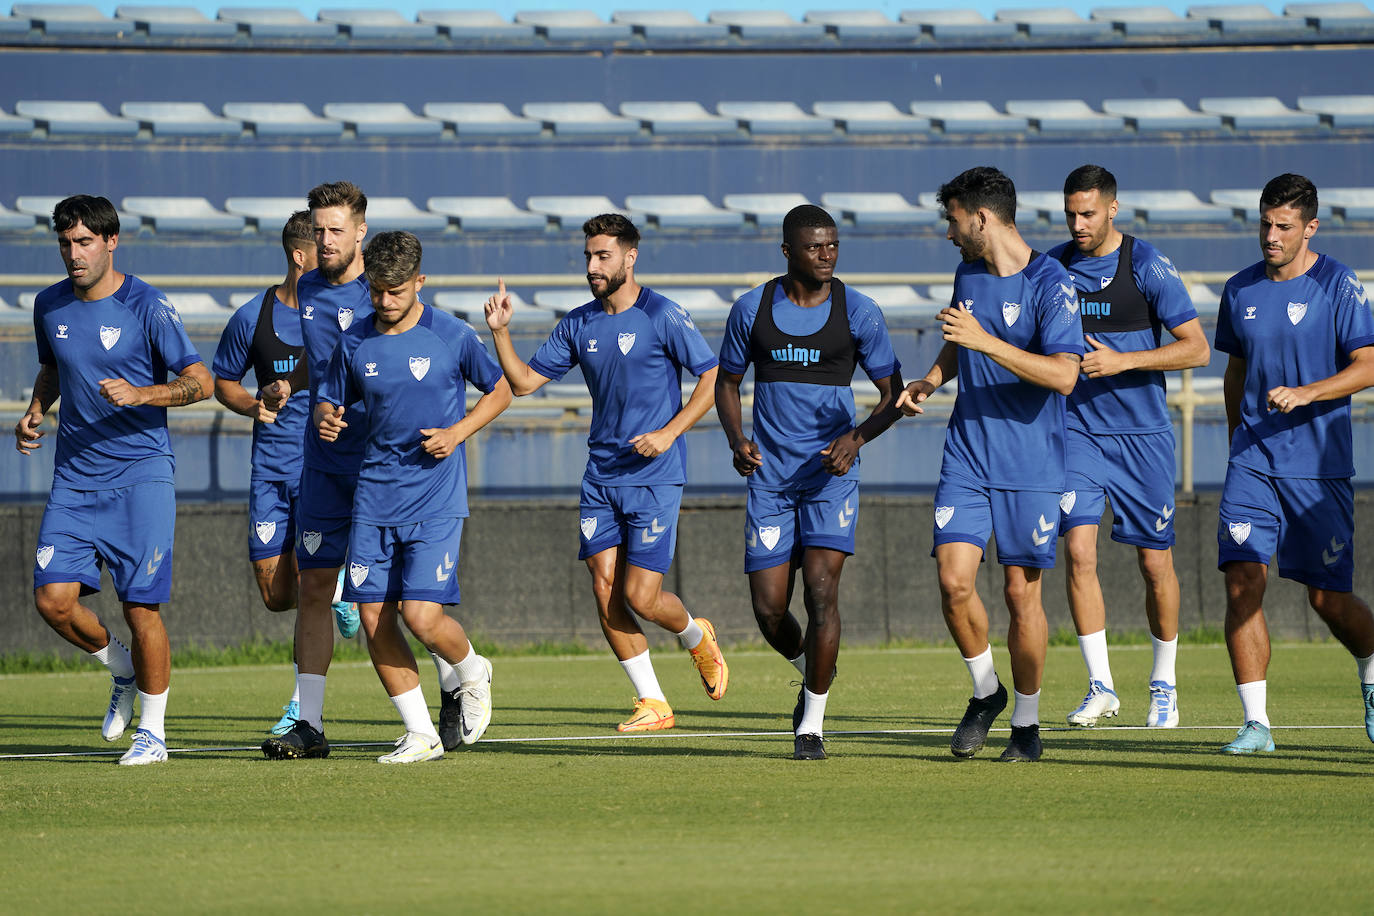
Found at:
<point>846,515</point>
<point>654,529</point>
<point>1040,535</point>
<point>1329,557</point>
<point>1169,267</point>
<point>444,569</point>
<point>155,562</point>
<point>1162,521</point>
<point>1360,295</point>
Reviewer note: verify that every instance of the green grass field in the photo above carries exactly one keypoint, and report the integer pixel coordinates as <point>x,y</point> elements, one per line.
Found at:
<point>555,813</point>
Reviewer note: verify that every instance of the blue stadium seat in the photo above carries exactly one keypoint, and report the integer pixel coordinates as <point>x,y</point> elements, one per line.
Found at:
<point>864,25</point>
<point>1065,115</point>
<point>1173,207</point>
<point>75,118</point>
<point>385,214</point>
<point>1340,110</point>
<point>266,214</point>
<point>175,22</point>
<point>968,117</point>
<point>476,214</point>
<point>40,206</point>
<point>482,119</point>
<point>1338,18</point>
<point>380,25</point>
<point>477,26</point>
<point>180,119</point>
<point>1248,20</point>
<point>282,119</point>
<point>25,301</point>
<point>198,305</point>
<point>1026,213</point>
<point>1048,205</point>
<point>574,25</point>
<point>579,119</point>
<point>880,117</point>
<point>959,25</point>
<point>679,118</point>
<point>901,302</point>
<point>1206,301</point>
<point>767,25</point>
<point>702,303</point>
<point>1160,114</point>
<point>1349,203</point>
<point>1258,113</point>
<point>10,221</point>
<point>681,211</point>
<point>660,26</point>
<point>71,20</point>
<point>1058,23</point>
<point>766,210</point>
<point>13,124</point>
<point>1152,22</point>
<point>470,305</point>
<point>12,26</point>
<point>279,22</point>
<point>766,118</point>
<point>560,302</point>
<point>183,214</point>
<point>571,211</point>
<point>382,119</point>
<point>882,208</point>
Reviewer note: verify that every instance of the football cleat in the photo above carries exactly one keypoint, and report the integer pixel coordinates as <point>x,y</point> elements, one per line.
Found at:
<point>972,732</point>
<point>147,748</point>
<point>346,618</point>
<point>710,664</point>
<point>1251,737</point>
<point>1100,703</point>
<point>301,740</point>
<point>1368,709</point>
<point>808,747</point>
<point>414,748</point>
<point>474,703</point>
<point>1025,743</point>
<point>648,716</point>
<point>1163,706</point>
<point>121,711</point>
<point>290,713</point>
<point>450,718</point>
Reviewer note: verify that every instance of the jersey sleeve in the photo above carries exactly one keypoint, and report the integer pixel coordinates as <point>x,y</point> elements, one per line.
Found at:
<point>869,330</point>
<point>232,355</point>
<point>734,348</point>
<point>682,339</point>
<point>1225,340</point>
<point>1061,324</point>
<point>475,362</point>
<point>556,355</point>
<point>337,386</point>
<point>1158,279</point>
<point>45,354</point>
<point>164,328</point>
<point>1354,324</point>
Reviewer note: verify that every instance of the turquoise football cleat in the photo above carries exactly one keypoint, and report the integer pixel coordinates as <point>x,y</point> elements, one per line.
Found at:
<point>1252,738</point>
<point>1368,709</point>
<point>346,616</point>
<point>290,713</point>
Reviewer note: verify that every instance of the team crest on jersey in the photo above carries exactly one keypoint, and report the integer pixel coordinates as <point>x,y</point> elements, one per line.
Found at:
<point>1010,312</point>
<point>108,337</point>
<point>311,541</point>
<point>942,515</point>
<point>1066,501</point>
<point>44,556</point>
<point>1106,281</point>
<point>1239,531</point>
<point>1296,310</point>
<point>626,340</point>
<point>61,332</point>
<point>588,527</point>
<point>371,370</point>
<point>769,535</point>
<point>357,573</point>
<point>265,530</point>
<point>591,345</point>
<point>419,367</point>
<point>345,319</point>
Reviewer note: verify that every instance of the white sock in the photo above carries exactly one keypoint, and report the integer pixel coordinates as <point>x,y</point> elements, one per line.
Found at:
<point>693,635</point>
<point>1094,649</point>
<point>1366,666</point>
<point>1165,653</point>
<point>338,589</point>
<point>470,669</point>
<point>1253,700</point>
<point>449,680</point>
<point>641,673</point>
<point>799,663</point>
<point>415,713</point>
<point>115,656</point>
<point>1027,709</point>
<point>814,715</point>
<point>152,708</point>
<point>296,689</point>
<point>983,673</point>
<point>310,689</point>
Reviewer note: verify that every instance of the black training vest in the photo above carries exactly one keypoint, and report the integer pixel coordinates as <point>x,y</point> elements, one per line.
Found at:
<point>823,358</point>
<point>272,359</point>
<point>1120,306</point>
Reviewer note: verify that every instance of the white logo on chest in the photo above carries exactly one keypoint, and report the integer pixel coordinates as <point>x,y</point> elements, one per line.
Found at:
<point>61,332</point>
<point>626,340</point>
<point>1250,313</point>
<point>966,304</point>
<point>1296,310</point>
<point>108,337</point>
<point>309,313</point>
<point>345,319</point>
<point>419,367</point>
<point>371,370</point>
<point>1010,312</point>
<point>591,345</point>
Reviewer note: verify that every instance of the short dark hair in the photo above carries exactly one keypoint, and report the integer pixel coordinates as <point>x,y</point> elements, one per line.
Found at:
<point>806,216</point>
<point>979,187</point>
<point>1091,178</point>
<point>298,232</point>
<point>95,213</point>
<point>1289,190</point>
<point>339,194</point>
<point>616,226</point>
<point>391,258</point>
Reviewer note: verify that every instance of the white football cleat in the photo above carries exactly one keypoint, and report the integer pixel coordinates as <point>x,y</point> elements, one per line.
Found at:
<point>1100,703</point>
<point>475,701</point>
<point>121,711</point>
<point>147,748</point>
<point>414,748</point>
<point>1163,705</point>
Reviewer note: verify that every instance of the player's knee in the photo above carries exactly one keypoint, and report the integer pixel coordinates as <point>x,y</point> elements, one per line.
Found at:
<point>54,607</point>
<point>643,598</point>
<point>955,589</point>
<point>278,603</point>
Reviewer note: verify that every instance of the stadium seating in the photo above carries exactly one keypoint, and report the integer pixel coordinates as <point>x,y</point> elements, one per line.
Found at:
<point>764,118</point>
<point>282,119</point>
<point>267,214</point>
<point>671,26</point>
<point>478,27</point>
<point>382,119</point>
<point>767,25</point>
<point>1160,114</point>
<point>571,211</point>
<point>183,214</point>
<point>764,209</point>
<point>1152,22</point>
<point>285,23</point>
<point>959,25</point>
<point>70,19</point>
<point>878,209</point>
<point>385,214</point>
<point>579,119</point>
<point>574,25</point>
<point>380,24</point>
<point>74,118</point>
<point>1067,115</point>
<point>475,214</point>
<point>674,118</point>
<point>1056,22</point>
<point>180,119</point>
<point>968,117</point>
<point>862,118</point>
<point>1341,110</point>
<point>683,211</point>
<point>482,119</point>
<point>175,22</point>
<point>862,26</point>
<point>1258,113</point>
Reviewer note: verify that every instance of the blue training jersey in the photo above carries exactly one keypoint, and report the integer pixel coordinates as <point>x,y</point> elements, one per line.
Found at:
<point>632,363</point>
<point>278,446</point>
<point>326,311</point>
<point>1004,432</point>
<point>1293,333</point>
<point>792,421</point>
<point>1129,402</point>
<point>134,334</point>
<point>408,382</point>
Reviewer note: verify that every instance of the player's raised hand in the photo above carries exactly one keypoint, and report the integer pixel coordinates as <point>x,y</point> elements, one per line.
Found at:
<point>330,420</point>
<point>120,393</point>
<point>27,433</point>
<point>913,396</point>
<point>653,444</point>
<point>440,443</point>
<point>747,457</point>
<point>275,395</point>
<point>498,308</point>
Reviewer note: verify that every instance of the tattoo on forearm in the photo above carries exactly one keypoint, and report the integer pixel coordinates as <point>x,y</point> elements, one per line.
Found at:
<point>184,390</point>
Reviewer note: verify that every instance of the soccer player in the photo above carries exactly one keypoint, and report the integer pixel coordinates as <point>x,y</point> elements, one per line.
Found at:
<point>265,335</point>
<point>106,341</point>
<point>632,345</point>
<point>398,380</point>
<point>1120,435</point>
<point>1014,339</point>
<point>804,333</point>
<point>1299,338</point>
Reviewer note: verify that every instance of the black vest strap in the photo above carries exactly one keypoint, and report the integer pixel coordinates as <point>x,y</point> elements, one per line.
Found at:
<point>272,359</point>
<point>1120,305</point>
<point>826,357</point>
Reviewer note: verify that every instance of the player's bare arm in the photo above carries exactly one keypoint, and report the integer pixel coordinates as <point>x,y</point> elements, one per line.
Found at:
<point>655,443</point>
<point>838,457</point>
<point>28,431</point>
<point>192,384</point>
<point>234,396</point>
<point>329,420</point>
<point>1057,371</point>
<point>1357,376</point>
<point>945,367</point>
<point>499,310</point>
<point>444,442</point>
<point>745,455</point>
<point>1188,350</point>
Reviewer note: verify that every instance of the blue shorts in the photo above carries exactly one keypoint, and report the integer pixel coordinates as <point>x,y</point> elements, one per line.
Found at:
<point>324,513</point>
<point>644,519</point>
<point>1308,522</point>
<point>780,524</point>
<point>128,529</point>
<point>271,517</point>
<point>416,562</point>
<point>1025,522</point>
<point>1136,472</point>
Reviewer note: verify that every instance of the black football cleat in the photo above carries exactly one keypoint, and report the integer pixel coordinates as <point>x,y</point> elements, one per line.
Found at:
<point>1025,743</point>
<point>972,732</point>
<point>303,740</point>
<point>809,747</point>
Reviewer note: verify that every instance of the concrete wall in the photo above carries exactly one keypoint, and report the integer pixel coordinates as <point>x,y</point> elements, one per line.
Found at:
<point>522,582</point>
